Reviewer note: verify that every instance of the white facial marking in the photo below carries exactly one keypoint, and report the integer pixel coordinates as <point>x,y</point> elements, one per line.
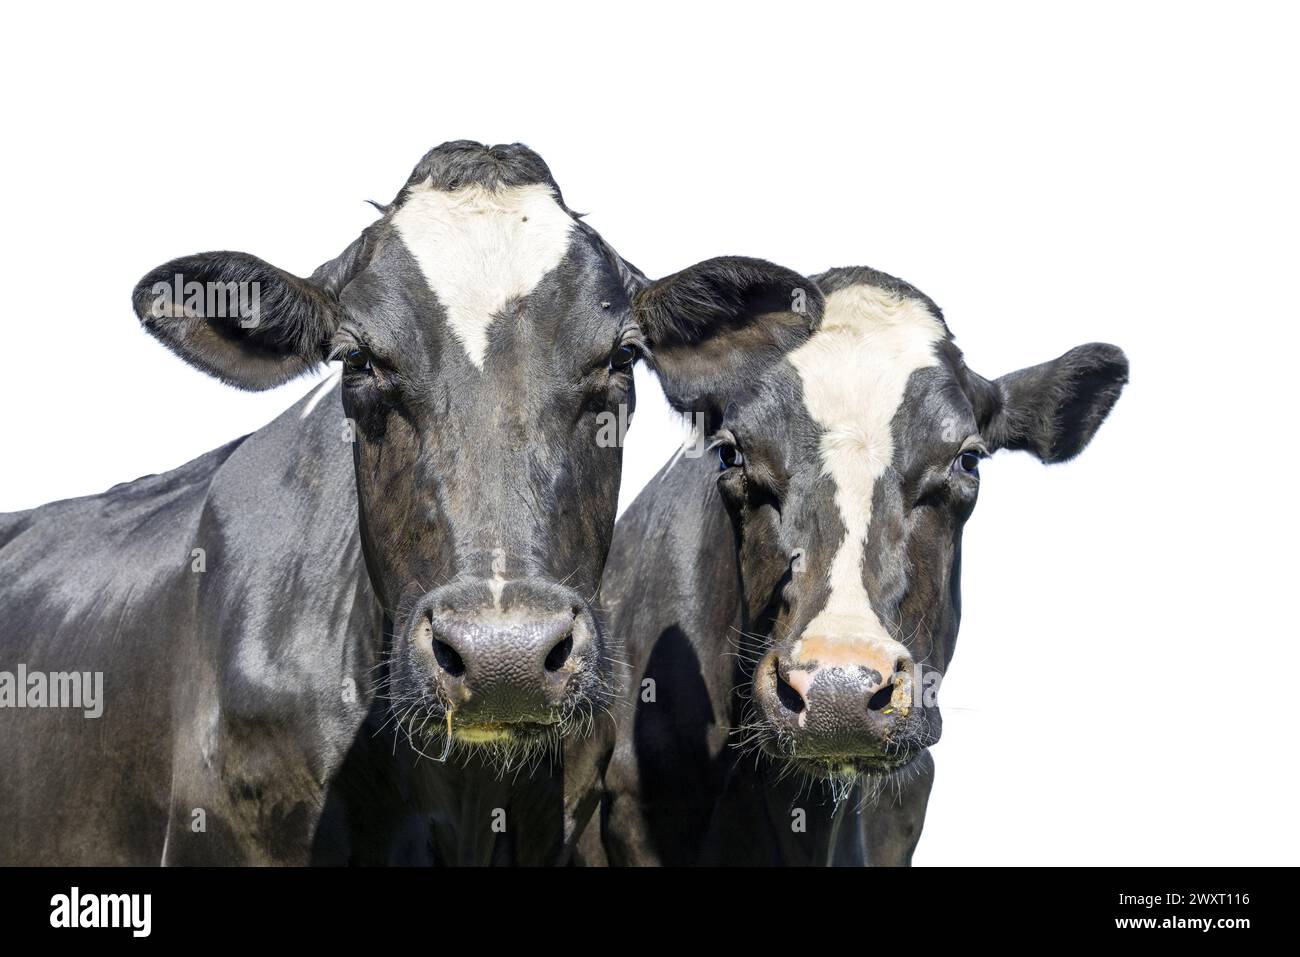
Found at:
<point>480,248</point>
<point>854,372</point>
<point>497,583</point>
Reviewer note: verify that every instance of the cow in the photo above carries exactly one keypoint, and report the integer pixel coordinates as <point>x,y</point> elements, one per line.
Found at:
<point>788,606</point>
<point>375,612</point>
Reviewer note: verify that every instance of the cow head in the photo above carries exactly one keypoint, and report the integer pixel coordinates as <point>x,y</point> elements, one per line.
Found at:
<point>849,477</point>
<point>487,338</point>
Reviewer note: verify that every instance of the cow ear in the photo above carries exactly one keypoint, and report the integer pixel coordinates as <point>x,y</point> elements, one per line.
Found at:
<point>238,318</point>
<point>714,328</point>
<point>1053,410</point>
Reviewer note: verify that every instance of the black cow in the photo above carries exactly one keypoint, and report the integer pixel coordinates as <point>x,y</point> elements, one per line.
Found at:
<point>788,606</point>
<point>412,552</point>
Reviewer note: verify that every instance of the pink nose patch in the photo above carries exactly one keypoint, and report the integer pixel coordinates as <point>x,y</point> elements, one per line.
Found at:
<point>801,681</point>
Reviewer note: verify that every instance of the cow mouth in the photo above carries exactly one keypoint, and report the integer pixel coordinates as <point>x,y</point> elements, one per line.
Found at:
<point>494,732</point>
<point>504,747</point>
<point>442,735</point>
<point>849,767</point>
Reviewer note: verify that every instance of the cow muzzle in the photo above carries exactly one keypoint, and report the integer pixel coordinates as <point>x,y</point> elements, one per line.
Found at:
<point>839,705</point>
<point>503,666</point>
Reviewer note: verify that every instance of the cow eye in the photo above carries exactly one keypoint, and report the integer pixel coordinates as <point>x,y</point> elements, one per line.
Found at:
<point>623,357</point>
<point>729,457</point>
<point>969,462</point>
<point>357,360</point>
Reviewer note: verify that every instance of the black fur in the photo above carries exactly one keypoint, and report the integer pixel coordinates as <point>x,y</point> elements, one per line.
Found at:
<point>1053,410</point>
<point>714,328</point>
<point>295,317</point>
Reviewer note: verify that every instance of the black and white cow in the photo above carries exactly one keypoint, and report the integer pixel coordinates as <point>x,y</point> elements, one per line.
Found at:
<point>412,547</point>
<point>787,604</point>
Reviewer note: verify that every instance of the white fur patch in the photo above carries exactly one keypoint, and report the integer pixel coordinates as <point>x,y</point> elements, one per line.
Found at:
<point>497,583</point>
<point>854,371</point>
<point>480,248</point>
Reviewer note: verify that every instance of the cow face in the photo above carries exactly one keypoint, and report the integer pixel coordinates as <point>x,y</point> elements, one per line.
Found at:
<point>850,478</point>
<point>487,339</point>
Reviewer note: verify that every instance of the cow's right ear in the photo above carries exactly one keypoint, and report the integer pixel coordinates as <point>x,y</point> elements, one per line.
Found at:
<point>715,327</point>
<point>238,318</point>
<point>1053,410</point>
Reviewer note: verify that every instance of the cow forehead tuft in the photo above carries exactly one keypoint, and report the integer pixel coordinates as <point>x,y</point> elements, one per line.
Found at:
<point>466,162</point>
<point>867,310</point>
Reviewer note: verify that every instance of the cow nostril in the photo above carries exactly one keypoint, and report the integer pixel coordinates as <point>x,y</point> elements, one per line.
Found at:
<point>558,655</point>
<point>447,658</point>
<point>881,698</point>
<point>790,699</point>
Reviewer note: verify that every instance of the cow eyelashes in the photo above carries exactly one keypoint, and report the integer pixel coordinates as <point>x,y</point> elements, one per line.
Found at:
<point>357,359</point>
<point>957,483</point>
<point>354,356</point>
<point>733,475</point>
<point>729,456</point>
<point>629,346</point>
<point>728,452</point>
<point>623,357</point>
<point>968,461</point>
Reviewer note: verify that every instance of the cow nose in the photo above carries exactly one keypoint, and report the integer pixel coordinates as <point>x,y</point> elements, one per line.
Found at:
<point>838,699</point>
<point>503,672</point>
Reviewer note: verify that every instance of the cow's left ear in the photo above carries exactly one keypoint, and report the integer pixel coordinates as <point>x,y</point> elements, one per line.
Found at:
<point>238,318</point>
<point>1053,410</point>
<point>715,327</point>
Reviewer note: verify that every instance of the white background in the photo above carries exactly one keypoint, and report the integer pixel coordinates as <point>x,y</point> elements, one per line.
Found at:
<point>1123,690</point>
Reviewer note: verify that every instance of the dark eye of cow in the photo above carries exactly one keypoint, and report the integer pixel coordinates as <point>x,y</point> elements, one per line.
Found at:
<point>729,457</point>
<point>357,360</point>
<point>623,357</point>
<point>969,462</point>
